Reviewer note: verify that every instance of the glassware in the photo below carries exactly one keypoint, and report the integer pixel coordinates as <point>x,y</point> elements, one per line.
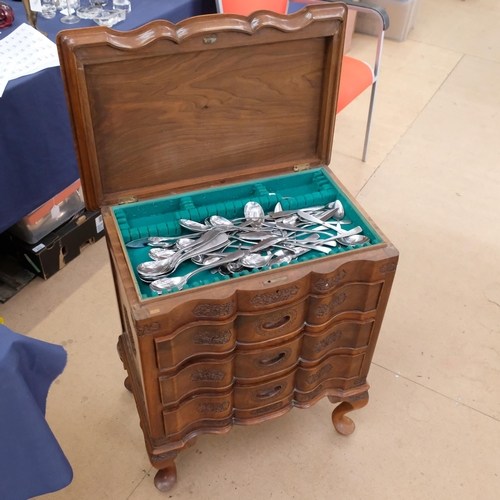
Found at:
<point>49,9</point>
<point>122,5</point>
<point>6,15</point>
<point>98,3</point>
<point>110,17</point>
<point>70,18</point>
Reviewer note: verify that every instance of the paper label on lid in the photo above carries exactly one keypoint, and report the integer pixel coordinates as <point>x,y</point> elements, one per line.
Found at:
<point>55,212</point>
<point>39,247</point>
<point>99,225</point>
<point>36,5</point>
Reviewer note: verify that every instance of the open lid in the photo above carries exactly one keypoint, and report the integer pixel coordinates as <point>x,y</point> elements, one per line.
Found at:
<point>167,108</point>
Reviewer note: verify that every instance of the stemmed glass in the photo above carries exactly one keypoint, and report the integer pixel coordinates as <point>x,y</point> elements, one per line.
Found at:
<point>98,3</point>
<point>71,18</point>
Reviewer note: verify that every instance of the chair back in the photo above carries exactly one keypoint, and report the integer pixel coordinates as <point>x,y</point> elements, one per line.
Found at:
<point>246,7</point>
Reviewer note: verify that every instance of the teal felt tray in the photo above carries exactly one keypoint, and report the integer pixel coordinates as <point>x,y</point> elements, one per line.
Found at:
<point>160,217</point>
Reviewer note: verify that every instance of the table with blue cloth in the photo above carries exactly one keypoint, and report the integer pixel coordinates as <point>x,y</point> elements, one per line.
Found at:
<point>37,156</point>
<point>31,460</point>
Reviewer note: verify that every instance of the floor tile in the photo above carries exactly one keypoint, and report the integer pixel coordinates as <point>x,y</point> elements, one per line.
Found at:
<point>409,443</point>
<point>443,322</point>
<point>470,27</point>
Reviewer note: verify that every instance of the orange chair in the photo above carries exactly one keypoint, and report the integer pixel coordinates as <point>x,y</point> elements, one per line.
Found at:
<point>356,75</point>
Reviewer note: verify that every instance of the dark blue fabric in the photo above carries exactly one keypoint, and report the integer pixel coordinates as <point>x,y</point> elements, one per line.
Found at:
<point>37,156</point>
<point>31,460</point>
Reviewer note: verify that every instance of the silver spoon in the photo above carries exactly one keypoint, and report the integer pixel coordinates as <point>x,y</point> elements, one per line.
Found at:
<point>193,225</point>
<point>254,212</point>
<point>180,281</point>
<point>352,240</point>
<point>253,260</point>
<point>161,253</point>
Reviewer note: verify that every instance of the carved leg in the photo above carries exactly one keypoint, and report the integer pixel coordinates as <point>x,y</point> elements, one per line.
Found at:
<point>344,425</point>
<point>127,384</point>
<point>166,478</point>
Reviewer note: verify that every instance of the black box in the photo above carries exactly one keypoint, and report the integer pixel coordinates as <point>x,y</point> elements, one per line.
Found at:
<point>59,247</point>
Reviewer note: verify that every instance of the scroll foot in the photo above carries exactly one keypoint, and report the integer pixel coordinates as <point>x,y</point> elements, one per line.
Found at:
<point>343,424</point>
<point>166,478</point>
<point>127,384</point>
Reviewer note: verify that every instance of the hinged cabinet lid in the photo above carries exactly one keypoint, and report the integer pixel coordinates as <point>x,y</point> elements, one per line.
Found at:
<point>215,98</point>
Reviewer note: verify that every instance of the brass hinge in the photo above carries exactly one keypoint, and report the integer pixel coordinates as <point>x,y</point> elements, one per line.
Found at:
<point>127,200</point>
<point>301,167</point>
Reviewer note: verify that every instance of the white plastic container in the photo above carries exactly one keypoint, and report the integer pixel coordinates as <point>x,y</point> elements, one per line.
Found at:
<point>402,17</point>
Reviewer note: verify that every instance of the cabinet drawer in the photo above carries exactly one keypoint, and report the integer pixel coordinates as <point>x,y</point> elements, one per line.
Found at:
<point>197,340</point>
<point>342,335</point>
<point>195,411</point>
<point>195,378</point>
<point>270,410</point>
<point>258,395</point>
<point>260,362</point>
<point>338,366</point>
<point>357,297</point>
<point>270,325</point>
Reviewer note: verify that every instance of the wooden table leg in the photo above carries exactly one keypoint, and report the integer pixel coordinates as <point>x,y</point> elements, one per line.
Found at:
<point>343,424</point>
<point>166,478</point>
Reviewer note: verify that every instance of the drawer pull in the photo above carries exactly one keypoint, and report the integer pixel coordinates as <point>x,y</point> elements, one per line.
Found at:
<point>271,325</point>
<point>268,393</point>
<point>272,361</point>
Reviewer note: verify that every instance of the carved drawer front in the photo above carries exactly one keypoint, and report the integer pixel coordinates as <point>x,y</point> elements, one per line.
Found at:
<point>194,341</point>
<point>245,416</point>
<point>263,394</point>
<point>338,366</point>
<point>261,362</point>
<point>251,301</point>
<point>197,409</point>
<point>197,378</point>
<point>357,297</point>
<point>277,323</point>
<point>342,335</point>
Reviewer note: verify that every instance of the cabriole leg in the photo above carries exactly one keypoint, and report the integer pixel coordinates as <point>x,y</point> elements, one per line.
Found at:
<point>166,478</point>
<point>343,424</point>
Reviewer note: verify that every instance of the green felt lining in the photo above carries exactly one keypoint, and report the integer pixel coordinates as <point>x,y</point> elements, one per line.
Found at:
<point>160,217</point>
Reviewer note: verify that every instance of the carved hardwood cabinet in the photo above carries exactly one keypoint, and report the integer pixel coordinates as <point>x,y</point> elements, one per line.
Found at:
<point>196,119</point>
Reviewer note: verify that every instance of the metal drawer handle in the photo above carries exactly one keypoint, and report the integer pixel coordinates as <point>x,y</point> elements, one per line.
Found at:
<point>276,324</point>
<point>268,393</point>
<point>272,361</point>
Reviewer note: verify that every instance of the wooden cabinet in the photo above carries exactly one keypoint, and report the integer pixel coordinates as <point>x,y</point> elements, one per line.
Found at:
<point>194,119</point>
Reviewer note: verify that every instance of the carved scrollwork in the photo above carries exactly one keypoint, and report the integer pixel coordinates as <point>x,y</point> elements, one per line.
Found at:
<point>271,324</point>
<point>147,329</point>
<point>267,409</point>
<point>316,376</point>
<point>129,330</point>
<point>325,309</point>
<point>213,407</point>
<point>323,344</point>
<point>266,299</point>
<point>325,284</point>
<point>216,423</point>
<point>207,375</point>
<point>212,338</point>
<point>214,310</point>
<point>388,267</point>
<point>358,397</point>
<point>164,456</point>
<point>303,398</point>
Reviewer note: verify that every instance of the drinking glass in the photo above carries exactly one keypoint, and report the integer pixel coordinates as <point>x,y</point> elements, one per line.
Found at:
<point>70,18</point>
<point>49,9</point>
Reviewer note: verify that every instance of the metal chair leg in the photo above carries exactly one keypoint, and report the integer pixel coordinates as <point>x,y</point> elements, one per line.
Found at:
<point>369,121</point>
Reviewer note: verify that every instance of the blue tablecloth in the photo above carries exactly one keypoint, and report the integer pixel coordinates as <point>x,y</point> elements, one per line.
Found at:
<point>31,460</point>
<point>37,156</point>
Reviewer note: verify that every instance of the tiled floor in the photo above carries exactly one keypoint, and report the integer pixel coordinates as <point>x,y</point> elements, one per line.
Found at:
<point>432,429</point>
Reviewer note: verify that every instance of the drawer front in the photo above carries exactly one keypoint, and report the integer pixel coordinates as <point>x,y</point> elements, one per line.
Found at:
<point>265,412</point>
<point>357,297</point>
<point>343,335</point>
<point>197,378</point>
<point>199,340</point>
<point>270,325</point>
<point>263,394</point>
<point>261,362</point>
<point>338,366</point>
<point>198,409</point>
